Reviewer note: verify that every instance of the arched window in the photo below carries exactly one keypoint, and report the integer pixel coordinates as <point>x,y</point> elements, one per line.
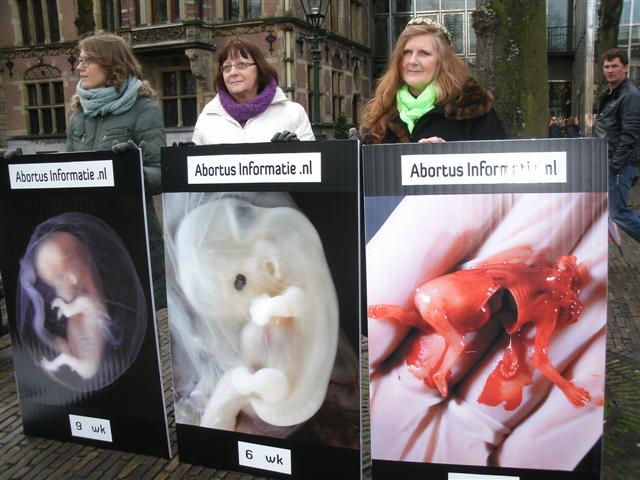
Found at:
<point>44,101</point>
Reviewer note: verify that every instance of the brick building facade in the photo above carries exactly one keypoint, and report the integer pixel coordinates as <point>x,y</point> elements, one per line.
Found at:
<point>176,42</point>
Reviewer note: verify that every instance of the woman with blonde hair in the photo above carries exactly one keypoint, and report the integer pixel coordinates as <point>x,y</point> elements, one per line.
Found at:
<point>426,94</point>
<point>114,109</point>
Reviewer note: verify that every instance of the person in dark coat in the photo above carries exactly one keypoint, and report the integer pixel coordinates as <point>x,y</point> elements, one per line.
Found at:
<point>115,109</point>
<point>573,127</point>
<point>554,128</point>
<point>426,94</point>
<point>619,122</point>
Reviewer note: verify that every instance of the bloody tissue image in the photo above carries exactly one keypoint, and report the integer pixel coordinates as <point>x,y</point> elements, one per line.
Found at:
<point>254,316</point>
<point>487,316</point>
<point>464,301</point>
<point>82,310</point>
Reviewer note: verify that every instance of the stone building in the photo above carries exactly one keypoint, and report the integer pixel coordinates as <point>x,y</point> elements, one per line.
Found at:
<point>176,42</point>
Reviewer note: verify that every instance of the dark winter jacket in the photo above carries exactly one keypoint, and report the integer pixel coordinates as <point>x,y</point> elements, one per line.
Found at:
<point>573,131</point>
<point>471,117</point>
<point>143,122</point>
<point>554,131</point>
<point>619,122</point>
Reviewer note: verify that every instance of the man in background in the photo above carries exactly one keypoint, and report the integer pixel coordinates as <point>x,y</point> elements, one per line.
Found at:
<point>619,122</point>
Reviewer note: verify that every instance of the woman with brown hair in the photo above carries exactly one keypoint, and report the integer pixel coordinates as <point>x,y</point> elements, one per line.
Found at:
<point>426,94</point>
<point>114,109</point>
<point>249,106</point>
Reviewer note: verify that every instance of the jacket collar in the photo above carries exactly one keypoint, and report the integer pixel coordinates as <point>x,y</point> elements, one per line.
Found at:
<point>621,86</point>
<point>474,101</point>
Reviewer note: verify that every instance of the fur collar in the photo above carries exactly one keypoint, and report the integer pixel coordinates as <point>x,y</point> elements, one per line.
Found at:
<point>145,91</point>
<point>474,101</point>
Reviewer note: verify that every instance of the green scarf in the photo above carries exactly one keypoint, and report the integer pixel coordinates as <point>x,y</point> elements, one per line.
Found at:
<point>411,108</point>
<point>107,100</point>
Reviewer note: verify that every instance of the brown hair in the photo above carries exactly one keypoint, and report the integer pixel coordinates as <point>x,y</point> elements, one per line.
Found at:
<point>614,53</point>
<point>237,48</point>
<point>113,54</point>
<point>450,76</point>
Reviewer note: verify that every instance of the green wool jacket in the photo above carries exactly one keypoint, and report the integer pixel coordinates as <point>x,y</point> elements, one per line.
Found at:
<point>143,122</point>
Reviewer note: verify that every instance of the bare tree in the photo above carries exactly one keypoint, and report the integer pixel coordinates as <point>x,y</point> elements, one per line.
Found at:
<point>512,62</point>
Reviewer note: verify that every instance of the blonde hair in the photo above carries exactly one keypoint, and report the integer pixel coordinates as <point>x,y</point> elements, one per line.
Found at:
<point>113,54</point>
<point>451,74</point>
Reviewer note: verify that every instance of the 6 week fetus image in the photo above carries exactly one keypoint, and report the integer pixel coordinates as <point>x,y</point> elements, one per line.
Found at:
<point>82,311</point>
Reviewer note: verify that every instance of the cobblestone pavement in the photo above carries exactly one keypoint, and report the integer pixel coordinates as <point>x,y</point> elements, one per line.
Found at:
<point>36,458</point>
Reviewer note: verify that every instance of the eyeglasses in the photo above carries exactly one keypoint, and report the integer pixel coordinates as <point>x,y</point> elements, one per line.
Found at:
<point>226,68</point>
<point>86,61</point>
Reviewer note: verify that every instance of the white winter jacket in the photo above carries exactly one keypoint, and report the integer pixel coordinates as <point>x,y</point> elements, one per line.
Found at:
<point>215,125</point>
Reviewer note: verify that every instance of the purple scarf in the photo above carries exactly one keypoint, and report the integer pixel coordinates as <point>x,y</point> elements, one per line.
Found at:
<point>244,111</point>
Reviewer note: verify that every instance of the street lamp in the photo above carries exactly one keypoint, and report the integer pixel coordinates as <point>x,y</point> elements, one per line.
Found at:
<point>315,11</point>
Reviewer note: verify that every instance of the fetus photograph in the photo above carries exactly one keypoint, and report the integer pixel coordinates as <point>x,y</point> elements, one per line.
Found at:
<point>257,343</point>
<point>487,324</point>
<point>81,307</point>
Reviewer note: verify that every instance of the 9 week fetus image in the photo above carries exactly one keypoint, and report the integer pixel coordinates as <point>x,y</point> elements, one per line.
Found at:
<point>82,311</point>
<point>488,318</point>
<point>63,264</point>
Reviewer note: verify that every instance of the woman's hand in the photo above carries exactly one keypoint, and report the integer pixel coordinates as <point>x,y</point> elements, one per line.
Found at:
<point>432,140</point>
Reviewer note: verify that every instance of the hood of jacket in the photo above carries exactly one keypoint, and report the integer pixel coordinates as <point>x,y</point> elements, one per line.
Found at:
<point>145,90</point>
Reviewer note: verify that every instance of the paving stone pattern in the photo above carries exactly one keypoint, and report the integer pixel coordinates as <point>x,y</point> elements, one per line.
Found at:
<point>36,458</point>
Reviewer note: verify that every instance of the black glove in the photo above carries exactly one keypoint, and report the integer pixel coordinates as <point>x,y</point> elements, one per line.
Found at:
<point>285,136</point>
<point>183,144</point>
<point>128,145</point>
<point>9,154</point>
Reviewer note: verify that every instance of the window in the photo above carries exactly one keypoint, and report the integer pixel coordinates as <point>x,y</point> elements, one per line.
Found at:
<point>165,10</point>
<point>356,21</point>
<point>39,21</point>
<point>337,94</point>
<point>242,9</point>
<point>45,108</point>
<point>110,15</point>
<point>179,104</point>
<point>391,16</point>
<point>310,87</point>
<point>335,16</point>
<point>355,109</point>
<point>54,27</point>
<point>24,22</point>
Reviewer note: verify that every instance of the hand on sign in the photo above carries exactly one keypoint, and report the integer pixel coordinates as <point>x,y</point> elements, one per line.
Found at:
<point>9,154</point>
<point>285,136</point>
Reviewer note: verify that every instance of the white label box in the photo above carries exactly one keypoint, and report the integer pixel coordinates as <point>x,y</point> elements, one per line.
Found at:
<point>264,457</point>
<point>90,427</point>
<point>479,476</point>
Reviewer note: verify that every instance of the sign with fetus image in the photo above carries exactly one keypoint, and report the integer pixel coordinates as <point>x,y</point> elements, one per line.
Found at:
<point>487,316</point>
<point>264,326</point>
<point>81,303</point>
<point>82,323</point>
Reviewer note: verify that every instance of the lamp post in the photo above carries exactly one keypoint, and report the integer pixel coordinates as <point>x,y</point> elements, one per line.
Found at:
<point>315,11</point>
